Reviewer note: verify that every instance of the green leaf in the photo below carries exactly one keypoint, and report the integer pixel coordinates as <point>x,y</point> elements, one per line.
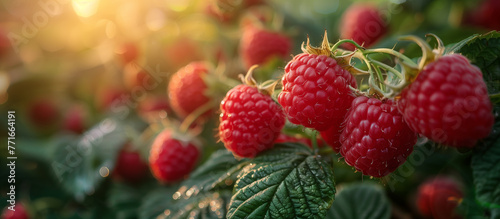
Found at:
<point>486,172</point>
<point>155,202</point>
<point>209,205</point>
<point>287,181</point>
<point>80,164</point>
<point>219,171</point>
<point>205,194</point>
<point>361,201</point>
<point>484,52</point>
<point>124,200</point>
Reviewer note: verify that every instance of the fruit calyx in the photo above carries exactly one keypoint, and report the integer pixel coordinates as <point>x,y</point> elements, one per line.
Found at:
<point>266,88</point>
<point>324,49</point>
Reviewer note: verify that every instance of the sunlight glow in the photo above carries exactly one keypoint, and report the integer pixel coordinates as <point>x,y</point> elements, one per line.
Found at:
<point>85,8</point>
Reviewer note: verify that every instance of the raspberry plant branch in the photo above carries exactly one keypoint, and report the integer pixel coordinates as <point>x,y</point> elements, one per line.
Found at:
<point>191,118</point>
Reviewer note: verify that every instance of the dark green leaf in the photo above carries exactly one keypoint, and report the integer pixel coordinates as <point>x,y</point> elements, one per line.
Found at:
<point>208,205</point>
<point>218,172</point>
<point>284,182</point>
<point>80,163</point>
<point>205,194</point>
<point>360,201</point>
<point>486,171</point>
<point>155,202</point>
<point>484,52</point>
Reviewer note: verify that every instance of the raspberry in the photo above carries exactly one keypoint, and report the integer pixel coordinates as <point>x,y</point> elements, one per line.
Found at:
<point>316,91</point>
<point>438,197</point>
<point>129,52</point>
<point>376,139</point>
<point>74,120</point>
<point>258,46</point>
<point>332,135</point>
<point>250,121</point>
<point>171,159</point>
<point>130,166</point>
<point>183,51</point>
<point>153,107</point>
<point>363,24</point>
<point>186,89</point>
<point>19,212</point>
<point>448,102</point>
<point>43,113</point>
<point>486,15</point>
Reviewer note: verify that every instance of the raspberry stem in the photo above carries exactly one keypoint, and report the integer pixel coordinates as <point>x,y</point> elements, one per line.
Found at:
<point>191,118</point>
<point>336,45</point>
<point>404,58</point>
<point>495,98</point>
<point>314,141</point>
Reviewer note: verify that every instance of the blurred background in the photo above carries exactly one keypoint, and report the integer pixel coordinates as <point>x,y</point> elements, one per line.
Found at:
<point>97,71</point>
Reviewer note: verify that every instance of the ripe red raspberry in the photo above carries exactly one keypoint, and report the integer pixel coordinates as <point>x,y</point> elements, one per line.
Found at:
<point>128,52</point>
<point>448,102</point>
<point>18,212</point>
<point>316,91</point>
<point>111,98</point>
<point>154,107</point>
<point>5,44</point>
<point>186,89</point>
<point>332,135</point>
<point>183,51</point>
<point>250,121</point>
<point>171,159</point>
<point>363,24</point>
<point>257,46</point>
<point>438,197</point>
<point>74,120</point>
<point>130,166</point>
<point>376,139</point>
<point>43,113</point>
<point>486,15</point>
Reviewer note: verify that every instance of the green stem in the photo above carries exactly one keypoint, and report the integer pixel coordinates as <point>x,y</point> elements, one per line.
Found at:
<point>336,45</point>
<point>394,53</point>
<point>191,118</point>
<point>387,67</point>
<point>495,98</point>
<point>314,141</point>
<point>380,77</point>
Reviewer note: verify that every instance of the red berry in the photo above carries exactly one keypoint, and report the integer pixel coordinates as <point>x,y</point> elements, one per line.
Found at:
<point>332,135</point>
<point>257,46</point>
<point>448,102</point>
<point>74,120</point>
<point>183,51</point>
<point>111,98</point>
<point>171,159</point>
<point>43,112</point>
<point>128,52</point>
<point>130,166</point>
<point>376,139</point>
<point>136,78</point>
<point>5,44</point>
<point>438,197</point>
<point>151,107</point>
<point>486,15</point>
<point>250,121</point>
<point>363,24</point>
<point>187,88</point>
<point>316,91</point>
<point>18,212</point>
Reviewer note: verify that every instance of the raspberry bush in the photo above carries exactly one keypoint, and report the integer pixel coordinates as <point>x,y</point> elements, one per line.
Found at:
<point>251,109</point>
